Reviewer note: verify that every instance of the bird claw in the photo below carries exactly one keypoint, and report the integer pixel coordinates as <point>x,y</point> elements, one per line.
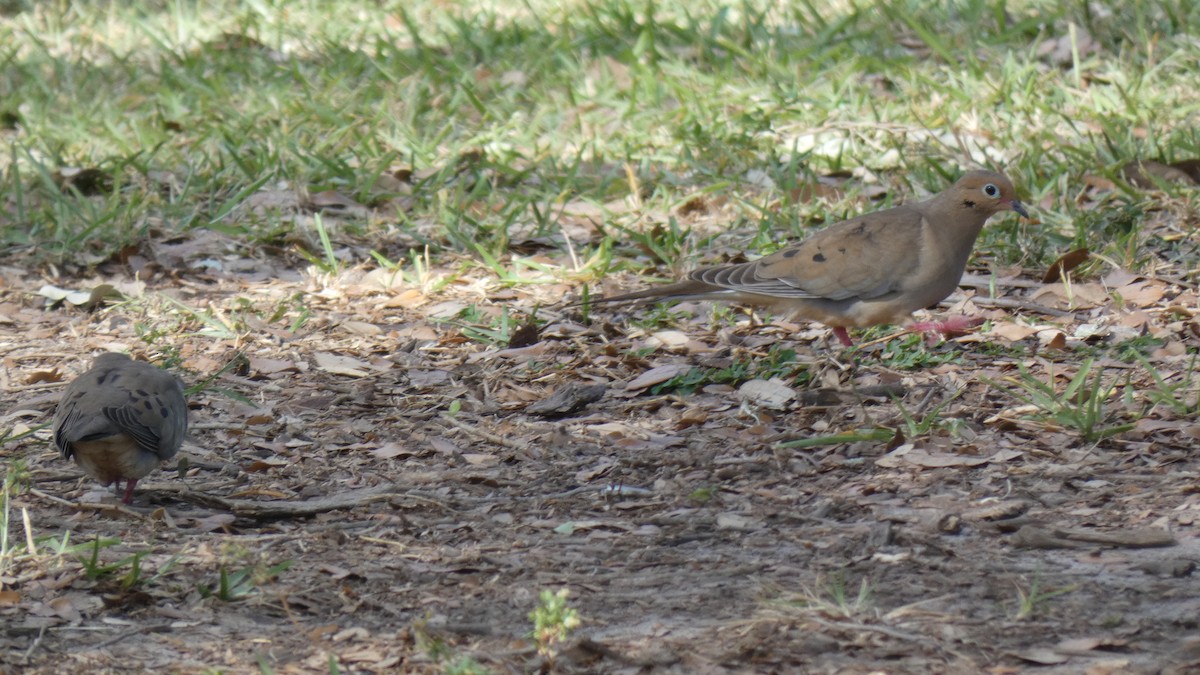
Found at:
<point>936,330</point>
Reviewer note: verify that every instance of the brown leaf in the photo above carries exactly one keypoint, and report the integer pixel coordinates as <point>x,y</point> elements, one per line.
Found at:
<point>772,393</point>
<point>1189,166</point>
<point>1148,174</point>
<point>808,192</point>
<point>1095,183</point>
<point>40,376</point>
<point>1073,297</point>
<point>260,465</point>
<point>567,400</point>
<point>696,205</point>
<point>526,335</point>
<point>338,364</point>
<point>1013,332</point>
<point>363,328</point>
<point>214,522</point>
<point>265,366</point>
<point>1142,293</point>
<point>1043,656</point>
<point>88,182</point>
<point>1064,264</point>
<point>332,200</point>
<point>63,607</point>
<point>391,450</point>
<point>656,376</point>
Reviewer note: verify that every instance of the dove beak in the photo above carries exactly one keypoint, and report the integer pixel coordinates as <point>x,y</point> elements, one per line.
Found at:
<point>1017,206</point>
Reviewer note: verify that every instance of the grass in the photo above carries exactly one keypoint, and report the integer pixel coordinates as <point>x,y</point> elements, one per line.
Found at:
<point>500,117</point>
<point>463,141</point>
<point>1034,601</point>
<point>832,596</point>
<point>1082,405</point>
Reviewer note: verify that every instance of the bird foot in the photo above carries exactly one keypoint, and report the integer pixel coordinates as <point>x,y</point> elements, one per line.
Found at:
<point>955,325</point>
<point>844,337</point>
<point>129,483</point>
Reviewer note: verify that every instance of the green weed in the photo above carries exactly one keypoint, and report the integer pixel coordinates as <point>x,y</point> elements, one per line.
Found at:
<point>1081,405</point>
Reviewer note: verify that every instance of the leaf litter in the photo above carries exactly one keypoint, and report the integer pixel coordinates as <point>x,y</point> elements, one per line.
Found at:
<point>425,484</point>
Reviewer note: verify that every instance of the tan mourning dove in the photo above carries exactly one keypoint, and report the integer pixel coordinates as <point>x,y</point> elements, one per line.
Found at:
<point>121,419</point>
<point>877,268</point>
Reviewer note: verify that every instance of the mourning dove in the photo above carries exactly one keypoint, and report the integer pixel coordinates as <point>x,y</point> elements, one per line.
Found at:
<point>877,268</point>
<point>120,420</point>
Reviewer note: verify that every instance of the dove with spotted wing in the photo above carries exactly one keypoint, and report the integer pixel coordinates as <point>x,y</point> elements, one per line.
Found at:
<point>121,420</point>
<point>877,268</point>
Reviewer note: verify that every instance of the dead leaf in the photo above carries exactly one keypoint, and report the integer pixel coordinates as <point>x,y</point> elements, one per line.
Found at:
<point>408,299</point>
<point>1142,293</point>
<point>265,366</point>
<point>1071,296</point>
<point>338,364</point>
<point>772,393</point>
<point>656,376</point>
<point>1148,174</point>
<point>214,522</point>
<point>332,200</point>
<point>391,450</point>
<point>424,379</point>
<point>1063,50</point>
<point>736,521</point>
<point>1065,263</point>
<point>1043,656</point>
<point>526,335</point>
<point>362,328</point>
<point>1189,166</point>
<point>907,454</point>
<point>41,376</point>
<point>1013,332</point>
<point>88,182</point>
<point>1055,340</point>
<point>444,445</point>
<point>65,609</point>
<point>86,299</point>
<point>567,400</point>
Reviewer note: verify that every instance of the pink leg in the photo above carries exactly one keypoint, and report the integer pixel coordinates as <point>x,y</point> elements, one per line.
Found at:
<point>129,483</point>
<point>952,325</point>
<point>843,336</point>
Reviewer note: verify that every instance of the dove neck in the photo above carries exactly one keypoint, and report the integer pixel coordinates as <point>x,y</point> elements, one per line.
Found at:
<point>949,242</point>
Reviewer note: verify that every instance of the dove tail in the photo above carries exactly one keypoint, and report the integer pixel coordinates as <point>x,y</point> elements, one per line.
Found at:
<point>684,290</point>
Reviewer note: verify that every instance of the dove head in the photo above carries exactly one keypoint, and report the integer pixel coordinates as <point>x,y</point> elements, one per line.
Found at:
<point>986,192</point>
<point>110,359</point>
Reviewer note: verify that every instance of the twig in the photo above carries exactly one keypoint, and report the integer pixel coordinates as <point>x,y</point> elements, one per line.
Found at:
<point>34,387</point>
<point>1025,306</point>
<point>160,628</point>
<point>498,440</point>
<point>883,630</point>
<point>113,508</point>
<point>260,510</point>
<point>37,641</point>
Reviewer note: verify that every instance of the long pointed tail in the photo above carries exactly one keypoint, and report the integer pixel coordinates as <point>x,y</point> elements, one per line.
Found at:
<point>683,290</point>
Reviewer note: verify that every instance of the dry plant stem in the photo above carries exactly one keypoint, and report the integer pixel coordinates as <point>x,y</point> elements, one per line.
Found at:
<point>111,508</point>
<point>488,436</point>
<point>248,508</point>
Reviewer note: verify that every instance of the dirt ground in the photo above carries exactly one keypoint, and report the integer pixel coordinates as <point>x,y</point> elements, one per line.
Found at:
<point>421,505</point>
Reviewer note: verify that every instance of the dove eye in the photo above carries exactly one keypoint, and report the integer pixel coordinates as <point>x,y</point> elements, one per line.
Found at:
<point>991,190</point>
